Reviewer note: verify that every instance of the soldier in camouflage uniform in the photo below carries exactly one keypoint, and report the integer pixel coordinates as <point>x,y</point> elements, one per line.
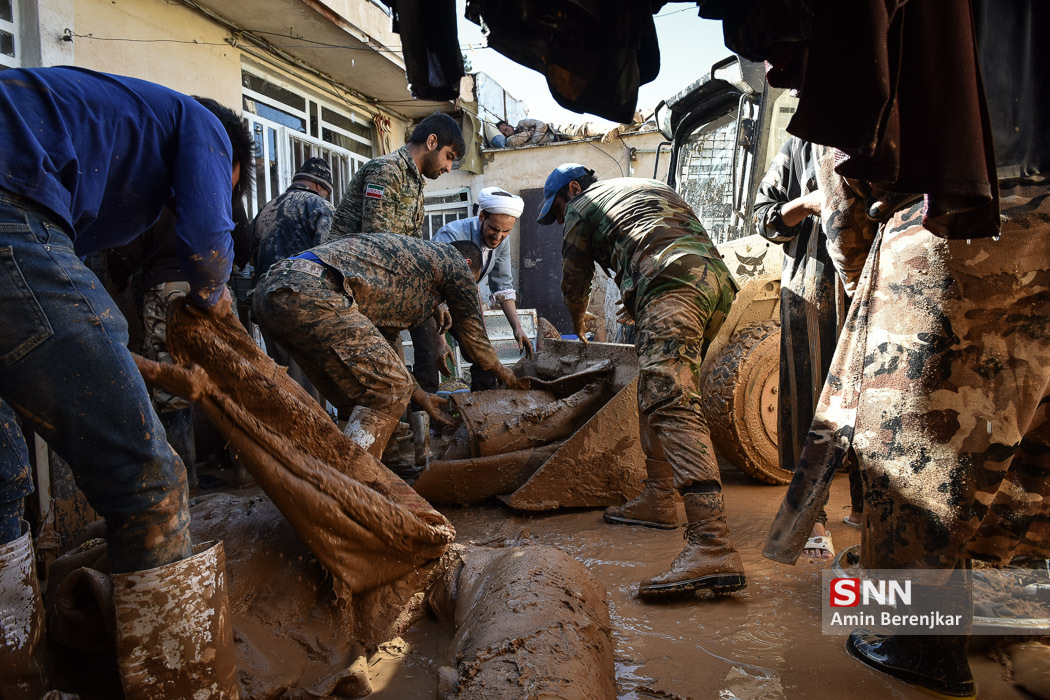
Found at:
<point>674,284</point>
<point>340,307</point>
<point>296,220</point>
<point>386,193</point>
<point>386,196</point>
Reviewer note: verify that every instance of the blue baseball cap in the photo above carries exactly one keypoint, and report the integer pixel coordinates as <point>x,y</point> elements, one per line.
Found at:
<point>559,178</point>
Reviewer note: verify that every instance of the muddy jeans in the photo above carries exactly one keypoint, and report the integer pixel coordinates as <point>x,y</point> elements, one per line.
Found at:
<point>673,331</point>
<point>65,368</point>
<point>303,305</point>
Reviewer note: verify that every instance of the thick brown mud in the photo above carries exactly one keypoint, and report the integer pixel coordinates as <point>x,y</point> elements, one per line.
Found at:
<point>555,644</point>
<point>507,421</point>
<point>365,525</point>
<point>762,643</point>
<point>474,480</point>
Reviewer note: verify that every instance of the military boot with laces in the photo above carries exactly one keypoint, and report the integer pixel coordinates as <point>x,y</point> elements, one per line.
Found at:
<point>708,561</point>
<point>655,505</point>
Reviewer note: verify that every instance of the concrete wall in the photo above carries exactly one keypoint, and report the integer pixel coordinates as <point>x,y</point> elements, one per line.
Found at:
<point>43,25</point>
<point>210,67</point>
<point>365,16</point>
<point>188,51</point>
<point>517,169</point>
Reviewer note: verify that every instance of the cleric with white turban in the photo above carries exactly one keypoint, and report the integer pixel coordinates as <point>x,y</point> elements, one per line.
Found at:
<point>498,211</point>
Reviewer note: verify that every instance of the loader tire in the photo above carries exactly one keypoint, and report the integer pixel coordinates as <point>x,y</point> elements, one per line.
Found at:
<point>740,402</point>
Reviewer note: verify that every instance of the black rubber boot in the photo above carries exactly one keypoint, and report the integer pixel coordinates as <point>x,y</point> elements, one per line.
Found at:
<point>935,664</point>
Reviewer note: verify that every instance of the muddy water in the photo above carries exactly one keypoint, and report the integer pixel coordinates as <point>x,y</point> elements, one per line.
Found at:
<point>764,642</point>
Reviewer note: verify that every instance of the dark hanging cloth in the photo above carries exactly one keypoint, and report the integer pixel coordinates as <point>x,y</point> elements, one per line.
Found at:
<point>594,55</point>
<point>917,88</point>
<point>430,45</point>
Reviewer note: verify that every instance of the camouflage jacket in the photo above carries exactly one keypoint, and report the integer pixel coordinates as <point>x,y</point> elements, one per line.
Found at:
<point>640,230</point>
<point>293,222</point>
<point>385,195</point>
<point>399,282</point>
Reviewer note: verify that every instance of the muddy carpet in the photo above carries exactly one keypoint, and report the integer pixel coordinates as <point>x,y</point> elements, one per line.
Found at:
<point>364,524</point>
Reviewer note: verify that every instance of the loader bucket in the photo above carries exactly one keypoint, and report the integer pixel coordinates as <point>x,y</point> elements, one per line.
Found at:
<point>601,463</point>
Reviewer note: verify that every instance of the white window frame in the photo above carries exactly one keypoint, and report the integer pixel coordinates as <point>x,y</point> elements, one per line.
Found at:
<point>12,28</point>
<point>289,142</point>
<point>439,211</point>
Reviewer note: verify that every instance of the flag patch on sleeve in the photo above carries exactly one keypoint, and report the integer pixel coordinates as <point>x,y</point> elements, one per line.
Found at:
<point>374,191</point>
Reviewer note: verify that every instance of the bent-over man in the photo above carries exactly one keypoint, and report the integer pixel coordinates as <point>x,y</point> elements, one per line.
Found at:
<point>676,287</point>
<point>339,309</point>
<point>386,196</point>
<point>88,162</point>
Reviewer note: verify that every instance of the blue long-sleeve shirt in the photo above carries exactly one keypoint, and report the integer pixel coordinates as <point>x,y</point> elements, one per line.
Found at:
<point>104,153</point>
<point>496,268</point>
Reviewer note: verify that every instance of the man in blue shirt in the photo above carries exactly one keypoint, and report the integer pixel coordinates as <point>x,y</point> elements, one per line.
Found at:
<point>87,162</point>
<point>498,210</point>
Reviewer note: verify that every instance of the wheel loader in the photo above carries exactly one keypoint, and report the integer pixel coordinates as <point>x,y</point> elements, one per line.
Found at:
<point>723,132</point>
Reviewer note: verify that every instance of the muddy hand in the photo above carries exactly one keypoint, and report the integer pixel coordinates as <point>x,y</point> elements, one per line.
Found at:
<point>434,405</point>
<point>444,357</point>
<point>623,314</point>
<point>524,344</point>
<point>507,377</point>
<point>443,319</point>
<point>579,324</point>
<point>224,306</point>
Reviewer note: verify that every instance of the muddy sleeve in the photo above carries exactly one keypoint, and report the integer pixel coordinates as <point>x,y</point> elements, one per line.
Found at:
<point>382,198</point>
<point>501,279</point>
<point>203,206</point>
<point>468,327</point>
<point>773,194</point>
<point>577,264</point>
<point>320,221</point>
<point>849,230</point>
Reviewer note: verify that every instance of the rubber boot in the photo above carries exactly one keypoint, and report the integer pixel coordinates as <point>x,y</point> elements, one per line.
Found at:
<point>22,665</point>
<point>655,505</point>
<point>708,561</point>
<point>370,429</point>
<point>174,638</point>
<point>179,427</point>
<point>937,665</point>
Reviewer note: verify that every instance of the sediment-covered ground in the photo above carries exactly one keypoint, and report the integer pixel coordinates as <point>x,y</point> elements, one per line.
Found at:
<point>762,643</point>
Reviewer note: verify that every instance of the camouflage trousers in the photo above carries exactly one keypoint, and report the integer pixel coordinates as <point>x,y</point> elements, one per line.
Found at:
<point>305,307</point>
<point>673,330</point>
<point>941,382</point>
<point>155,304</point>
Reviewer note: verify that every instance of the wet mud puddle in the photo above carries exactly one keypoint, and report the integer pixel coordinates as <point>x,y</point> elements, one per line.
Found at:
<point>761,643</point>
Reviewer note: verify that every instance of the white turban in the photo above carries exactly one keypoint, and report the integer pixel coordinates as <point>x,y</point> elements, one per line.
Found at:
<point>495,200</point>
